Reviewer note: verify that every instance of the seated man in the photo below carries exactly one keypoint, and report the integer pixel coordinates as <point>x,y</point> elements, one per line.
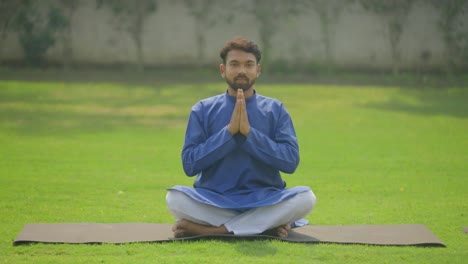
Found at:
<point>237,143</point>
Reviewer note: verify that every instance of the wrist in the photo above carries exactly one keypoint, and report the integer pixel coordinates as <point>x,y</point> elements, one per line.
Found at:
<point>231,130</point>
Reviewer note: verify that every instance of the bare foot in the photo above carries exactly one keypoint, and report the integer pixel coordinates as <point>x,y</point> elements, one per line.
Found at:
<point>283,230</point>
<point>184,228</point>
<point>280,231</point>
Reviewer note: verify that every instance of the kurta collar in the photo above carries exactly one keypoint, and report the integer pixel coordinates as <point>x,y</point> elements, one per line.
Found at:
<point>247,100</point>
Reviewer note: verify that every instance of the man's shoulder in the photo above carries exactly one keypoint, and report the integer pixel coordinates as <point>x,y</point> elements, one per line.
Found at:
<point>268,100</point>
<point>213,99</point>
<point>209,101</point>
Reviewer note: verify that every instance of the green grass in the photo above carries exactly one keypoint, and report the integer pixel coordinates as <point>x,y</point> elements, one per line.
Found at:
<point>101,152</point>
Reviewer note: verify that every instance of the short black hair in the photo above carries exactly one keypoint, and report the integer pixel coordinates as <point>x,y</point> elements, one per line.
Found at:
<point>243,44</point>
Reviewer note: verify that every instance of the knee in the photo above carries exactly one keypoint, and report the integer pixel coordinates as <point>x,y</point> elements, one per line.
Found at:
<point>173,199</point>
<point>308,200</point>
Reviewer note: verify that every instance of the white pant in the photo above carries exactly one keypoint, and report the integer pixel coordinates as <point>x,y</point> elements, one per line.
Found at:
<point>254,221</point>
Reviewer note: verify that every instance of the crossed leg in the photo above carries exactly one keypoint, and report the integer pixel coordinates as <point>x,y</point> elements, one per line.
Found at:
<point>184,228</point>
<point>195,218</point>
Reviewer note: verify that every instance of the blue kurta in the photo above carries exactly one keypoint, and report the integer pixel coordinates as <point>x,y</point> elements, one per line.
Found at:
<point>237,172</point>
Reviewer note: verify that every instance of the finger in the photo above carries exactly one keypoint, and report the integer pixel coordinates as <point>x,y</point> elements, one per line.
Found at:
<point>240,93</point>
<point>237,108</point>
<point>244,125</point>
<point>242,105</point>
<point>233,126</point>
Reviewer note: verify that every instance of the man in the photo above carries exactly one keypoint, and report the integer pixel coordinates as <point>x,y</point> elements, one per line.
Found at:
<point>237,143</point>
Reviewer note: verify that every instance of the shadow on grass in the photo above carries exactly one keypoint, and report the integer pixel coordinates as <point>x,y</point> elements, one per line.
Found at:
<point>56,108</point>
<point>155,76</point>
<point>41,122</point>
<point>447,102</point>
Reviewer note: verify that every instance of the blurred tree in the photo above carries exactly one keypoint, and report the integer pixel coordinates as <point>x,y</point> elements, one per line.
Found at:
<point>453,30</point>
<point>202,12</point>
<point>130,16</point>
<point>37,27</point>
<point>394,14</point>
<point>8,10</point>
<point>68,8</point>
<point>207,14</point>
<point>329,12</point>
<point>268,15</point>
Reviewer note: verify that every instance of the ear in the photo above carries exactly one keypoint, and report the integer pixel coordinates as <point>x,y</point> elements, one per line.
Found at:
<point>259,69</point>
<point>222,69</point>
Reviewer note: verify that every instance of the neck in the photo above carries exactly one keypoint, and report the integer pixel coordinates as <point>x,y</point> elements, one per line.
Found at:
<point>247,93</point>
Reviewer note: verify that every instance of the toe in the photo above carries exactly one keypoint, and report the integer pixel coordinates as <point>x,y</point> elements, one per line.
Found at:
<point>179,233</point>
<point>282,232</point>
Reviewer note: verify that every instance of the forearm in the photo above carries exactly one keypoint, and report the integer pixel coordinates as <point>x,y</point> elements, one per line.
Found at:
<point>282,155</point>
<point>199,156</point>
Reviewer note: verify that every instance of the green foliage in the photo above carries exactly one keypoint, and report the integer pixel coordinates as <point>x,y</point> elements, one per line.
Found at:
<point>268,15</point>
<point>329,12</point>
<point>57,21</point>
<point>206,14</point>
<point>394,13</point>
<point>129,9</point>
<point>68,9</point>
<point>130,16</point>
<point>454,30</point>
<point>8,10</point>
<point>386,7</point>
<point>201,9</point>
<point>37,31</point>
<point>280,66</point>
<point>35,45</point>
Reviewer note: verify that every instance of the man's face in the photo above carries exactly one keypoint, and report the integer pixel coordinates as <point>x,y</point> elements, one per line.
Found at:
<point>241,70</point>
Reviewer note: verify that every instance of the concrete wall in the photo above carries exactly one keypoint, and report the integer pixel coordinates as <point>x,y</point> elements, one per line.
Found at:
<point>359,38</point>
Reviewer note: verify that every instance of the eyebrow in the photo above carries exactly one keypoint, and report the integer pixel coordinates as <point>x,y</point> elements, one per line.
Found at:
<point>248,61</point>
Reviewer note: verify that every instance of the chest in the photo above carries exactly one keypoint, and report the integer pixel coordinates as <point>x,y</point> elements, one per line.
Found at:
<point>262,119</point>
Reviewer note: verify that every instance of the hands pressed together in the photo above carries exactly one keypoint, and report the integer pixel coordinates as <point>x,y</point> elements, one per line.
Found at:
<point>239,119</point>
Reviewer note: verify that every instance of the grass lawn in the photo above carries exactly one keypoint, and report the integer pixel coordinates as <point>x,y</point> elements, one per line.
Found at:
<point>102,152</point>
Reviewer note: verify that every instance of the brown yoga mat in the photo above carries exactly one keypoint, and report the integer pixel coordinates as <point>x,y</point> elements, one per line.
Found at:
<point>75,233</point>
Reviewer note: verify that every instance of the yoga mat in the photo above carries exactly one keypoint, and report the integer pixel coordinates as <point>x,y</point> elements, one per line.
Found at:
<point>76,233</point>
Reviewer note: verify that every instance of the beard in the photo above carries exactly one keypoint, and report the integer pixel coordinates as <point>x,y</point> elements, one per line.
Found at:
<point>244,85</point>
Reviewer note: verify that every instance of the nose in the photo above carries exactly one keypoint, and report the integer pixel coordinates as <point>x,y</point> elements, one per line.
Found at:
<point>242,69</point>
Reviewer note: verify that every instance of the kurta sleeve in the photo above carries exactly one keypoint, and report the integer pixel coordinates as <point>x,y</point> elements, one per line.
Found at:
<point>200,150</point>
<point>280,152</point>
